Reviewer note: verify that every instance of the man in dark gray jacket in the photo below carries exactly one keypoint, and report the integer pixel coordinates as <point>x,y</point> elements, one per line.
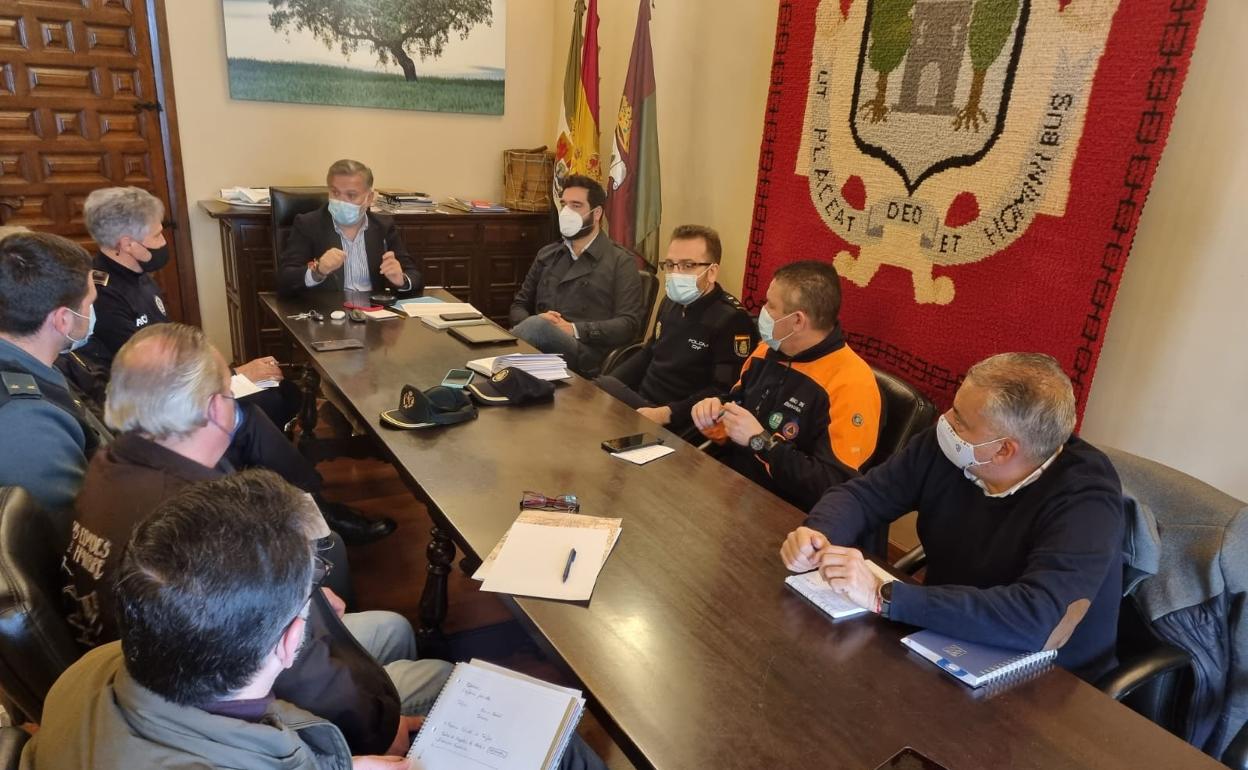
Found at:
<point>582,296</point>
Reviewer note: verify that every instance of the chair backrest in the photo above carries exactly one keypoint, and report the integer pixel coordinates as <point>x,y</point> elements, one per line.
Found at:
<point>286,203</point>
<point>649,295</point>
<point>36,644</point>
<point>903,413</point>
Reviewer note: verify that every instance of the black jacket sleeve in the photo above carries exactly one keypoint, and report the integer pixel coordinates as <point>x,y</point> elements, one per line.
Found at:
<point>885,494</point>
<point>114,324</point>
<point>526,299</point>
<point>626,311</point>
<point>727,363</point>
<point>301,247</point>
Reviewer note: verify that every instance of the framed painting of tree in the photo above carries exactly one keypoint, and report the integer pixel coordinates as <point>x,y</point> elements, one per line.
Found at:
<point>433,55</point>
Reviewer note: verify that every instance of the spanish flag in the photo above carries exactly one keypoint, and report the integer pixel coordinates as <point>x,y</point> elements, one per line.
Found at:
<point>576,152</point>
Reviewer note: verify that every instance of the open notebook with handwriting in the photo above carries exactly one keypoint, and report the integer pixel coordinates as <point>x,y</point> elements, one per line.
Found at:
<point>491,717</point>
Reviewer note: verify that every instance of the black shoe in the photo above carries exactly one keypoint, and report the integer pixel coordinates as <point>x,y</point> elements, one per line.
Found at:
<point>354,527</point>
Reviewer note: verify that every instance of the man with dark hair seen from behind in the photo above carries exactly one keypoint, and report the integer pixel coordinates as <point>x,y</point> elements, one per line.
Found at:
<point>46,296</point>
<point>805,414</point>
<point>213,597</point>
<point>701,337</point>
<point>1022,522</point>
<point>582,297</point>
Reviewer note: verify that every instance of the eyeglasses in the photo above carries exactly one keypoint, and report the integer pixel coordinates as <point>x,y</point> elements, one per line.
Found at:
<point>539,502</point>
<point>321,567</point>
<point>683,266</point>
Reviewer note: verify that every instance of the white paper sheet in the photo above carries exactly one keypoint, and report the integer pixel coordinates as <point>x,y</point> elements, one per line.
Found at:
<point>241,387</point>
<point>532,561</point>
<point>645,454</point>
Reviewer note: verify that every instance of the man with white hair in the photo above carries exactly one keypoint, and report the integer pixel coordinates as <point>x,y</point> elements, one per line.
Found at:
<point>1022,522</point>
<point>126,225</point>
<point>169,402</point>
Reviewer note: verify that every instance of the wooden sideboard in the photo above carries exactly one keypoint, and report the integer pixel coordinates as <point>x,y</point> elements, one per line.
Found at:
<point>482,258</point>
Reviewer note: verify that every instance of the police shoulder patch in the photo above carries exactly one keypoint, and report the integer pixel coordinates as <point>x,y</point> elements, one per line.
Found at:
<point>741,344</point>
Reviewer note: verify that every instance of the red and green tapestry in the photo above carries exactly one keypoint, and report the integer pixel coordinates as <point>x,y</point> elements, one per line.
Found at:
<point>975,169</point>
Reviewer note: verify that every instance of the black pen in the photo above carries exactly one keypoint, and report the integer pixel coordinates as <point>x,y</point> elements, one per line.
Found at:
<point>567,568</point>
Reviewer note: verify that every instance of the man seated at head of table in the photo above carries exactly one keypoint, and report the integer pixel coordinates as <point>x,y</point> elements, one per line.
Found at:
<point>213,596</point>
<point>582,296</point>
<point>805,414</point>
<point>1022,522</point>
<point>342,246</point>
<point>701,336</point>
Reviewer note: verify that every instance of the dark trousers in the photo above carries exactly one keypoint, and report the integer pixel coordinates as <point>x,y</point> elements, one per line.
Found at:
<point>259,443</point>
<point>622,392</point>
<point>281,404</point>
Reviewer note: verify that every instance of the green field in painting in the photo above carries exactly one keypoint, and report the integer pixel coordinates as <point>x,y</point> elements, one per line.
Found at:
<point>323,84</point>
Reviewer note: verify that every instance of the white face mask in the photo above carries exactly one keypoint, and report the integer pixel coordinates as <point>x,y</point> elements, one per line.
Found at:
<point>683,289</point>
<point>343,213</point>
<point>572,225</point>
<point>767,327</point>
<point>959,451</point>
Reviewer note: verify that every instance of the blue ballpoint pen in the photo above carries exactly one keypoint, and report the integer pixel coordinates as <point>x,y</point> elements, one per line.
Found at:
<point>567,568</point>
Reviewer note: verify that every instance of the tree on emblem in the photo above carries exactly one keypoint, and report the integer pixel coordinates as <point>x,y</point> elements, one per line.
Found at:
<point>890,39</point>
<point>991,24</point>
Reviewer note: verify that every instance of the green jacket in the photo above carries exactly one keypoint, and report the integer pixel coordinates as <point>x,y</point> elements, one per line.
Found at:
<point>97,717</point>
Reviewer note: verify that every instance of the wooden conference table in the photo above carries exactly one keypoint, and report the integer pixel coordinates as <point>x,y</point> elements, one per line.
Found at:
<point>692,651</point>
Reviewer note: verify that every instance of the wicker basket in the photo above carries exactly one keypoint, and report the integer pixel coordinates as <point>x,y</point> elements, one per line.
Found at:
<point>527,179</point>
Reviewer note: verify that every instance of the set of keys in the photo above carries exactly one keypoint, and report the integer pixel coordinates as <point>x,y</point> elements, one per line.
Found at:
<point>309,315</point>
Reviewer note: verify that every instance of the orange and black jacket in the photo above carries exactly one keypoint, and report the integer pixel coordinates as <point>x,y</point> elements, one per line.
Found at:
<point>823,405</point>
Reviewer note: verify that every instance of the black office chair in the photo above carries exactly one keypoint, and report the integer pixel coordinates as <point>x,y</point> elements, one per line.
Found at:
<point>1152,678</point>
<point>903,413</point>
<point>286,203</point>
<point>36,644</point>
<point>12,739</point>
<point>649,295</point>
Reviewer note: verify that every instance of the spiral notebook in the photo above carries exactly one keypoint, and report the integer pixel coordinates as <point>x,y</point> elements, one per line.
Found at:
<point>973,663</point>
<point>816,590</point>
<point>489,717</point>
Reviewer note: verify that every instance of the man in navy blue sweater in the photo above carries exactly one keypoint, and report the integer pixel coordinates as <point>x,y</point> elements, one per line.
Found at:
<point>1022,523</point>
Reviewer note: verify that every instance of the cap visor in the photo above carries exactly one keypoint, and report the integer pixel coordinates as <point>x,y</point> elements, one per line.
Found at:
<point>395,419</point>
<point>487,394</point>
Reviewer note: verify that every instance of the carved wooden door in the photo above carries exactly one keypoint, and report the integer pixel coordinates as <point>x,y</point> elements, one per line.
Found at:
<point>79,111</point>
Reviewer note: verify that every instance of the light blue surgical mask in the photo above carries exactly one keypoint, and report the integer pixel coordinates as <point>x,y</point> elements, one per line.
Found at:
<point>75,344</point>
<point>767,327</point>
<point>683,289</point>
<point>238,420</point>
<point>344,213</point>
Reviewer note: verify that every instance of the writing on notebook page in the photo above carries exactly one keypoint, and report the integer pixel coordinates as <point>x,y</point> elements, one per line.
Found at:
<point>475,739</point>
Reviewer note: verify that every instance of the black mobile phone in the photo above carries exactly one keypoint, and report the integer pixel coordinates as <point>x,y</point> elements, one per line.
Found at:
<point>625,443</point>
<point>909,759</point>
<point>459,316</point>
<point>457,378</point>
<point>323,346</point>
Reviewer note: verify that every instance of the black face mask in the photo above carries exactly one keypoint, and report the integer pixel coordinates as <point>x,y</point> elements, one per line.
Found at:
<point>160,258</point>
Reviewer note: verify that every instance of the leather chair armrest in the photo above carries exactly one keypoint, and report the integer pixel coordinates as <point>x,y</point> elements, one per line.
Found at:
<point>12,739</point>
<point>1236,754</point>
<point>616,358</point>
<point>912,562</point>
<point>1139,671</point>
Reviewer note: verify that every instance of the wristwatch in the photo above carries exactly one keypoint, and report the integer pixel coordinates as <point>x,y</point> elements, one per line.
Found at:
<point>886,598</point>
<point>762,442</point>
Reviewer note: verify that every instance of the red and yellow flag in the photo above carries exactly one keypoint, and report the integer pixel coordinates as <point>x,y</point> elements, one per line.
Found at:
<point>634,203</point>
<point>576,152</point>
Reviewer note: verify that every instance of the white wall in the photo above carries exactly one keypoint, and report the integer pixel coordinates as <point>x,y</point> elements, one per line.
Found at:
<point>227,142</point>
<point>1172,381</point>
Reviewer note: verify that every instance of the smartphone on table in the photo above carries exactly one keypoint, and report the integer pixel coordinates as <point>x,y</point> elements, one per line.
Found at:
<point>457,378</point>
<point>636,441</point>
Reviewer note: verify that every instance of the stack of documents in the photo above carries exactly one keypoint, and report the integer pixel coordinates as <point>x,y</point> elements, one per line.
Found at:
<point>404,200</point>
<point>544,366</point>
<point>245,196</point>
<point>533,556</point>
<point>491,717</point>
<point>434,322</point>
<point>241,386</point>
<point>422,309</point>
<point>463,204</point>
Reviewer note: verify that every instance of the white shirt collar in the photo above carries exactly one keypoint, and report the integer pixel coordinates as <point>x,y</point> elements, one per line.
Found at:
<point>1030,478</point>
